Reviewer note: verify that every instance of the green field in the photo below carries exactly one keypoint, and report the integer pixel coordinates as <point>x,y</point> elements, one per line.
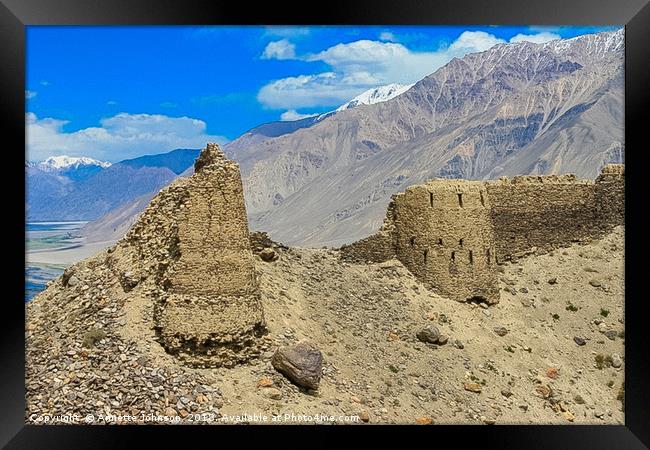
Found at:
<point>45,243</point>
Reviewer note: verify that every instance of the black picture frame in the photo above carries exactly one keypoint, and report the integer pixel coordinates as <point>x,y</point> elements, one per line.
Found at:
<point>15,15</point>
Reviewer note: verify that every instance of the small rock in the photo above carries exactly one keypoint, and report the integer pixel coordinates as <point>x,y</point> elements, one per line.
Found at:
<point>268,255</point>
<point>364,416</point>
<point>526,302</point>
<point>617,361</point>
<point>392,336</point>
<point>265,382</point>
<point>472,387</point>
<point>487,420</point>
<point>611,334</point>
<point>429,334</point>
<point>442,340</point>
<point>272,393</point>
<point>73,281</point>
<point>551,372</point>
<point>523,290</point>
<point>568,415</point>
<point>458,344</point>
<point>506,392</point>
<point>543,391</point>
<point>552,280</point>
<point>578,340</point>
<point>595,283</point>
<point>424,420</point>
<point>301,363</point>
<point>501,331</point>
<point>128,281</point>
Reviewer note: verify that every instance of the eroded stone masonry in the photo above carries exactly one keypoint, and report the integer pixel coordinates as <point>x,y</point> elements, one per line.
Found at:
<point>195,234</point>
<point>452,234</point>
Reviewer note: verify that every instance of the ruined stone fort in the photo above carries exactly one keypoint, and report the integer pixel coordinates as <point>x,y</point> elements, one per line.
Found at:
<point>194,238</point>
<point>189,253</point>
<point>452,234</point>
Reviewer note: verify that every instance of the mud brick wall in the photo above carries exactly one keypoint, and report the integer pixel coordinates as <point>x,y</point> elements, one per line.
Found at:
<point>444,236</point>
<point>378,247</point>
<point>544,212</point>
<point>610,196</point>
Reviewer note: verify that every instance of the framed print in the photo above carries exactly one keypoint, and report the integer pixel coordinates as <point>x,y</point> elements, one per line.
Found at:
<point>386,216</point>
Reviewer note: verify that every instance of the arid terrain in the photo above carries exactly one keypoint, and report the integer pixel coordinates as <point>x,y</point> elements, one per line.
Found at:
<point>95,352</point>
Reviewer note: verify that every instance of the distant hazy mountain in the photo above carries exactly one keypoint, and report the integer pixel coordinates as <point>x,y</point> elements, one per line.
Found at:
<point>72,167</point>
<point>177,160</point>
<point>519,108</point>
<point>54,163</point>
<point>64,188</point>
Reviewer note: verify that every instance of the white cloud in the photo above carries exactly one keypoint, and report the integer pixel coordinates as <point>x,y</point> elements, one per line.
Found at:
<point>538,38</point>
<point>361,65</point>
<point>30,94</point>
<point>44,83</point>
<point>111,103</point>
<point>292,114</point>
<point>121,136</point>
<point>474,41</point>
<point>387,36</point>
<point>282,49</point>
<point>308,91</point>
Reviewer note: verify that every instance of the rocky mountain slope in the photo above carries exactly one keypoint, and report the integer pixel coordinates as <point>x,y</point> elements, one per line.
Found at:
<point>519,108</point>
<point>549,352</point>
<point>514,109</point>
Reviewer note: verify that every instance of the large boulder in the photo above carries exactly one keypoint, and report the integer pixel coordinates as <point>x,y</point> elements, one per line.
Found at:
<point>301,363</point>
<point>429,334</point>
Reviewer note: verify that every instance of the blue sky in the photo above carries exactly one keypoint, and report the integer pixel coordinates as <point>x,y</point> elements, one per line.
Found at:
<point>119,92</point>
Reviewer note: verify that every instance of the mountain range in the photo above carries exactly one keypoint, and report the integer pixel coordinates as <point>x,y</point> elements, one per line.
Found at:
<point>68,188</point>
<point>520,108</point>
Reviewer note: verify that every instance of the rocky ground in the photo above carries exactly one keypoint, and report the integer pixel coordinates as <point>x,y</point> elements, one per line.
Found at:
<point>550,352</point>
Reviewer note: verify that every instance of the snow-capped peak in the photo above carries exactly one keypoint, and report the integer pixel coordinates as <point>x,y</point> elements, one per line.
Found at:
<point>376,95</point>
<point>65,162</point>
<point>370,97</point>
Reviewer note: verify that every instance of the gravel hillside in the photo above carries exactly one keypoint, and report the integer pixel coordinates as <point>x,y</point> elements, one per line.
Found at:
<point>550,352</point>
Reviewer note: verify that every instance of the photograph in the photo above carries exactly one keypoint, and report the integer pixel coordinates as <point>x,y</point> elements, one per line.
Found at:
<point>325,224</point>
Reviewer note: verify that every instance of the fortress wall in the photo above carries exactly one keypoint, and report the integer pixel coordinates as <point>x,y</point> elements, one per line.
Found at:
<point>444,237</point>
<point>610,196</point>
<point>378,247</point>
<point>545,212</point>
<point>495,220</point>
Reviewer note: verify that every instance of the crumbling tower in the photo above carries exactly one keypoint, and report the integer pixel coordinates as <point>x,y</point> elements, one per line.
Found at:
<point>444,236</point>
<point>208,310</point>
